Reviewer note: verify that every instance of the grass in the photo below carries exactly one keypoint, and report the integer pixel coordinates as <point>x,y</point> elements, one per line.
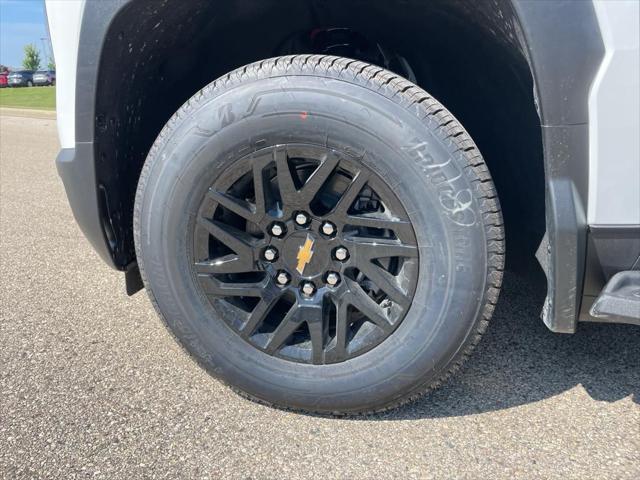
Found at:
<point>40,98</point>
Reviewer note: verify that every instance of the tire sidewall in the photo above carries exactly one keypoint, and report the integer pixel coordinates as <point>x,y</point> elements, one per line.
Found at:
<point>410,153</point>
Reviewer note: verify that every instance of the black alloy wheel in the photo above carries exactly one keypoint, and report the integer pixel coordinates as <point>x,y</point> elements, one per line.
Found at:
<point>305,254</point>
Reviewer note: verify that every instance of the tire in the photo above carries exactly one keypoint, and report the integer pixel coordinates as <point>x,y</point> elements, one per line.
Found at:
<point>379,122</point>
<point>29,83</point>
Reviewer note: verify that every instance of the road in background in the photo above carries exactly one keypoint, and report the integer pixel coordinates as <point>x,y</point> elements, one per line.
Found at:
<point>93,386</point>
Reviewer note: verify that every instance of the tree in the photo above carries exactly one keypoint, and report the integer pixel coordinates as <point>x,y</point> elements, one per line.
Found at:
<point>31,57</point>
<point>51,65</point>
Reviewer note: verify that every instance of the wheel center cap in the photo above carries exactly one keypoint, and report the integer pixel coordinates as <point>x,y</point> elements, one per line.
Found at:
<point>305,254</point>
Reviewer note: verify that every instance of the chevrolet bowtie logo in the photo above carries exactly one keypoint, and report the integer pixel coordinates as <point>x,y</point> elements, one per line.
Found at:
<point>304,254</point>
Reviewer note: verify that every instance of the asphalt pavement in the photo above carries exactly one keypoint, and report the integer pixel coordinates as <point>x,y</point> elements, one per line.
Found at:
<point>92,385</point>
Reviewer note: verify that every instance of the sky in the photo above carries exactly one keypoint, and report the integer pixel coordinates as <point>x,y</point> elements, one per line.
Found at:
<point>21,22</point>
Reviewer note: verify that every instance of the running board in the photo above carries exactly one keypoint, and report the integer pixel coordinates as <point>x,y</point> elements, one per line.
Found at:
<point>619,300</point>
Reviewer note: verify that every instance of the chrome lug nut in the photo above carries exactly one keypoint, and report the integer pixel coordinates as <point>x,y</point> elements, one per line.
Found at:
<point>341,254</point>
<point>308,288</point>
<point>328,228</point>
<point>333,278</point>
<point>283,278</point>
<point>277,230</point>
<point>301,218</point>
<point>270,254</point>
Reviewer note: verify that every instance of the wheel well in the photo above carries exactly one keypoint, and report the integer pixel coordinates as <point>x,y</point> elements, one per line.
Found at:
<point>466,54</point>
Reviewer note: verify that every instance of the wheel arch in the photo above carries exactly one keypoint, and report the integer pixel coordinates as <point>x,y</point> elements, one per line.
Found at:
<point>130,89</point>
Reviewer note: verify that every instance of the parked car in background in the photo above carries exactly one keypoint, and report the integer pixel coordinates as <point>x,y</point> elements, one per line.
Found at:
<point>3,79</point>
<point>21,78</point>
<point>44,77</point>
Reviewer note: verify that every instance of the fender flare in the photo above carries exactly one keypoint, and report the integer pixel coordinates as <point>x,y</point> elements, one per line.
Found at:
<point>564,49</point>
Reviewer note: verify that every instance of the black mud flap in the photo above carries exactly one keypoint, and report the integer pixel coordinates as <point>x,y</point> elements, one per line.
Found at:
<point>133,279</point>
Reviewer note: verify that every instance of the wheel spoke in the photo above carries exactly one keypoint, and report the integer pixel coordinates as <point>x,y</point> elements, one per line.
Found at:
<point>372,248</point>
<point>257,315</point>
<point>238,241</point>
<point>318,178</point>
<point>288,191</point>
<point>385,282</point>
<point>237,206</point>
<point>284,330</point>
<point>367,306</point>
<point>316,333</point>
<point>402,228</point>
<point>350,194</point>
<point>226,264</point>
<point>213,286</point>
<point>339,349</point>
<point>259,187</point>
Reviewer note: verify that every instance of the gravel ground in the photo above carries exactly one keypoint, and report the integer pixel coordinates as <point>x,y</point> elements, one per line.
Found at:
<point>92,386</point>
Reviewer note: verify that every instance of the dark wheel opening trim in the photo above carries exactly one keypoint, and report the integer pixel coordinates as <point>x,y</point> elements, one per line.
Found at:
<point>562,113</point>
